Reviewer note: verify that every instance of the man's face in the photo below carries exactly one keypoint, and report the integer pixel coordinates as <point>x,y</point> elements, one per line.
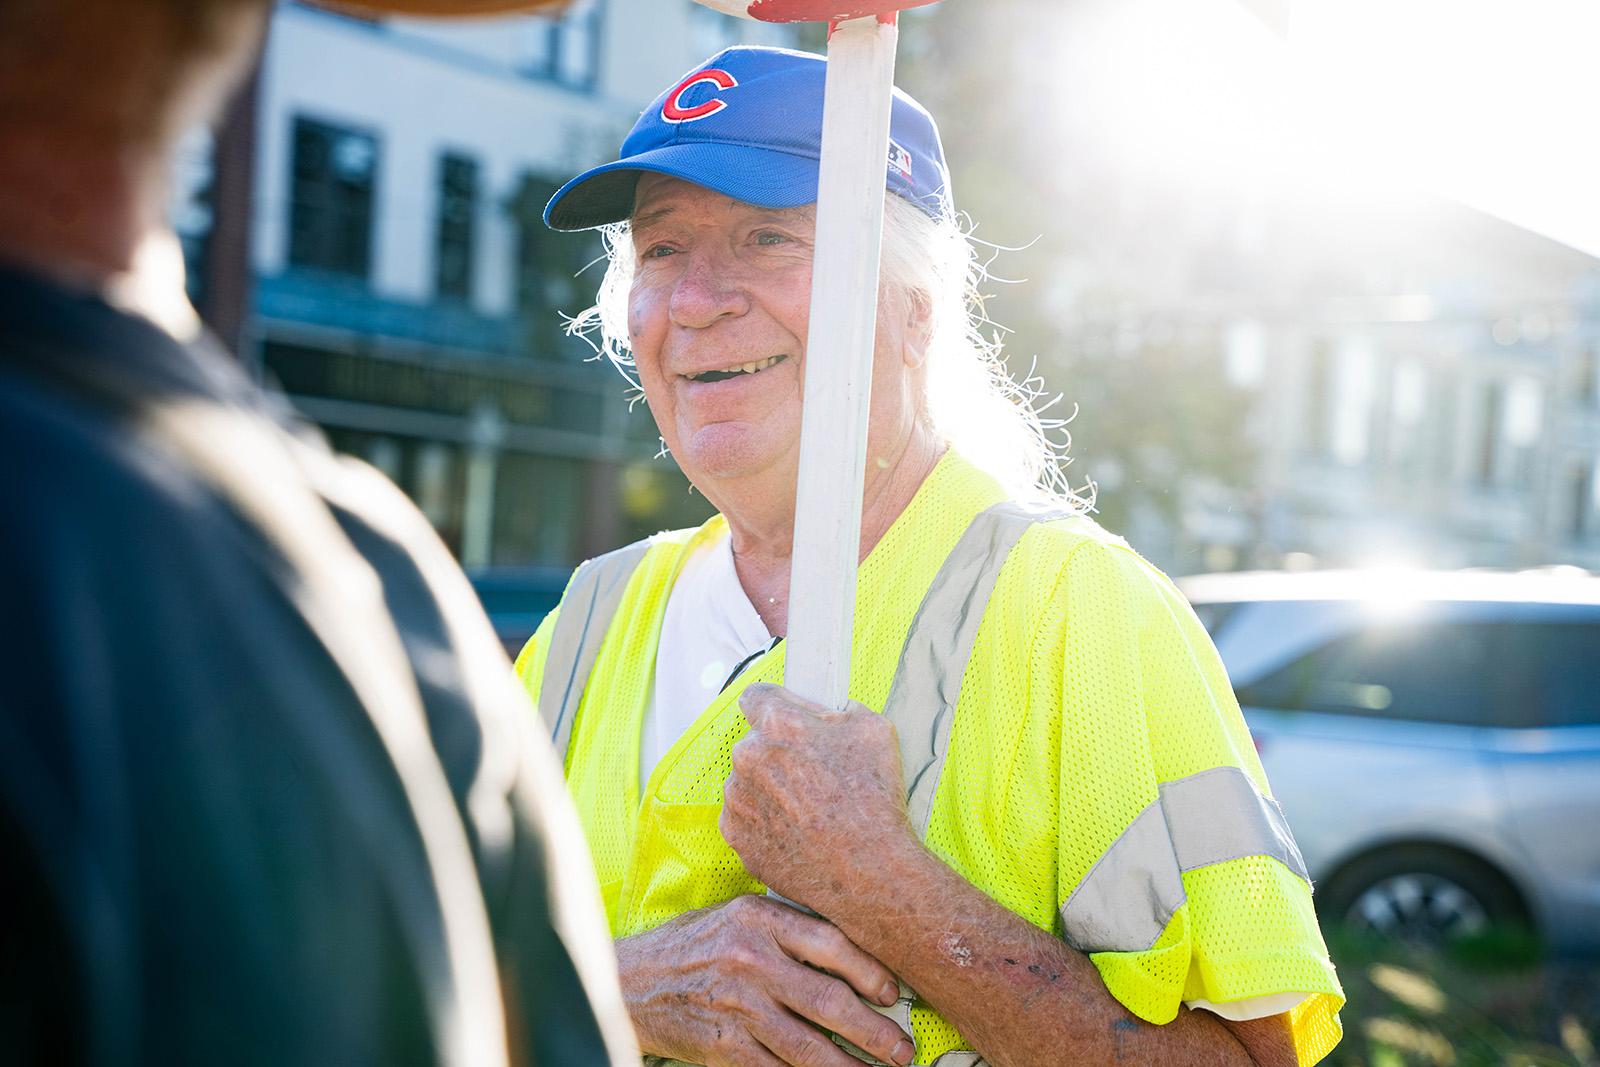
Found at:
<point>717,319</point>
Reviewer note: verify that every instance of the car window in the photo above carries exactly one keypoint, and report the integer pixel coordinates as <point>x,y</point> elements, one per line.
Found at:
<point>1213,616</point>
<point>1552,672</point>
<point>1423,671</point>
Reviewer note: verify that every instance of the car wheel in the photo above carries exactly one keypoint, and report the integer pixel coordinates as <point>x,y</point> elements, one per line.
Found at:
<point>1421,895</point>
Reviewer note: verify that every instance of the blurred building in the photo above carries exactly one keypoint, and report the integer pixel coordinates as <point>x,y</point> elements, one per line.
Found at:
<point>1418,383</point>
<point>1272,353</point>
<point>405,293</point>
<point>1444,412</point>
<point>1266,373</point>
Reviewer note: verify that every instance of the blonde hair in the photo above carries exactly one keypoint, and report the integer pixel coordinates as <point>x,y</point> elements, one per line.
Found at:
<point>994,420</point>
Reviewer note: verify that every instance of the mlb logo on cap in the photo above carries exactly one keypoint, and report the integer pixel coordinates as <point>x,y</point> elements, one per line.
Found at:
<point>900,159</point>
<point>748,123</point>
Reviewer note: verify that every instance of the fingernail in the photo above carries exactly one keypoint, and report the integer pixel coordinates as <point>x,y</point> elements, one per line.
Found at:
<point>903,1052</point>
<point>888,994</point>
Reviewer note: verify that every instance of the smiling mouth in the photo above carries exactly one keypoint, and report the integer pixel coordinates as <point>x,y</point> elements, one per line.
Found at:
<point>735,372</point>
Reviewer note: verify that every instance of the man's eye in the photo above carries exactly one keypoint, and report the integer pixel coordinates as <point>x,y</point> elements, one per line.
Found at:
<point>770,237</point>
<point>659,251</point>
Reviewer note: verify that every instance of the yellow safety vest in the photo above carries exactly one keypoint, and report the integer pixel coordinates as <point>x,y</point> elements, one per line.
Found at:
<point>1071,745</point>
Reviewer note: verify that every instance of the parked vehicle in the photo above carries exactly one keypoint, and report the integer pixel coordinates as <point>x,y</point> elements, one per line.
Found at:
<point>1433,738</point>
<point>517,599</point>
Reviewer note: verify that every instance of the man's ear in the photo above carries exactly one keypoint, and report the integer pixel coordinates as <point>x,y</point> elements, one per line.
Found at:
<point>919,327</point>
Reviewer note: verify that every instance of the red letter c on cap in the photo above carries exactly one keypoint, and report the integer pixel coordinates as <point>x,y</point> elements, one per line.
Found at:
<point>674,111</point>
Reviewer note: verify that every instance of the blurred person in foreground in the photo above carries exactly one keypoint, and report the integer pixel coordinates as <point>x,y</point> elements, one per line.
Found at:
<point>1064,843</point>
<point>266,795</point>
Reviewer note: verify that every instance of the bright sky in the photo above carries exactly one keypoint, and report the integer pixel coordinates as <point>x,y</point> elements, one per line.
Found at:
<point>1491,102</point>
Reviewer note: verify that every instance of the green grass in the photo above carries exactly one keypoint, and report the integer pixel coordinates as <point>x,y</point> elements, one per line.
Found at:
<point>1491,1002</point>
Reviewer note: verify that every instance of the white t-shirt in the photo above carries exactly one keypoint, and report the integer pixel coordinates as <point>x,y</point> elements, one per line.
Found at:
<point>709,629</point>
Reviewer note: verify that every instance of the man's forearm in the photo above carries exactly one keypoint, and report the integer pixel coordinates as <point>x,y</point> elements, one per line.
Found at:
<point>1019,994</point>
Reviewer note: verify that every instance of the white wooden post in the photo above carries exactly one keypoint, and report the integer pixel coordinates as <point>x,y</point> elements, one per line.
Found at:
<point>838,372</point>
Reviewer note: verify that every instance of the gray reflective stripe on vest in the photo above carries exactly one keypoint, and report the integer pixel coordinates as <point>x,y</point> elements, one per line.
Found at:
<point>586,610</point>
<point>1133,890</point>
<point>927,683</point>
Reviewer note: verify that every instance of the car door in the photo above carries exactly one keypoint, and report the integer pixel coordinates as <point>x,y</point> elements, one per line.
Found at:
<point>1545,752</point>
<point>1369,721</point>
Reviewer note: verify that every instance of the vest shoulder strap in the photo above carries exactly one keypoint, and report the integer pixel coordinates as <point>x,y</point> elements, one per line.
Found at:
<point>591,600</point>
<point>927,682</point>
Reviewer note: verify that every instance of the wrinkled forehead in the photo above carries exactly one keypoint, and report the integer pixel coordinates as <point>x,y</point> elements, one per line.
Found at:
<point>660,197</point>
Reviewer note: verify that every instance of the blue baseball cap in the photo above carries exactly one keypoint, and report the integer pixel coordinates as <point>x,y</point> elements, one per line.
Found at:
<point>748,123</point>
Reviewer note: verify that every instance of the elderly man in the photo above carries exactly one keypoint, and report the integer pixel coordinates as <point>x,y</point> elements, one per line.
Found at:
<point>265,796</point>
<point>1057,833</point>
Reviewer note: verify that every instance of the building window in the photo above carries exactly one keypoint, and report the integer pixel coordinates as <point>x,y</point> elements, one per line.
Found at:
<point>1340,382</point>
<point>1522,431</point>
<point>330,206</point>
<point>1355,380</point>
<point>1408,408</point>
<point>1509,433</point>
<point>565,50</point>
<point>1244,353</point>
<point>1319,399</point>
<point>1448,457</point>
<point>458,209</point>
<point>539,510</point>
<point>1584,476</point>
<point>549,265</point>
<point>1489,432</point>
<point>432,473</point>
<point>1588,384</point>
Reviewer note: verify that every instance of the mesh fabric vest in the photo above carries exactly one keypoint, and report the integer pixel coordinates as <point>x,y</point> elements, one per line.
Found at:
<point>1091,696</point>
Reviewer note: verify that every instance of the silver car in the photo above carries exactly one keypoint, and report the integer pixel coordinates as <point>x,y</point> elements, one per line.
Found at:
<point>1434,739</point>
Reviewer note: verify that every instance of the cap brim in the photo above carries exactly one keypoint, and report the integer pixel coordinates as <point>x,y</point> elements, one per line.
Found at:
<point>761,176</point>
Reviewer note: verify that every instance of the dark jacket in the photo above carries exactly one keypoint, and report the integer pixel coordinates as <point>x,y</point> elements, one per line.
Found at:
<point>268,789</point>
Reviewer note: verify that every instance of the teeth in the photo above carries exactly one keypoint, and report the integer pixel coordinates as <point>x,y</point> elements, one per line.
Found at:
<point>741,368</point>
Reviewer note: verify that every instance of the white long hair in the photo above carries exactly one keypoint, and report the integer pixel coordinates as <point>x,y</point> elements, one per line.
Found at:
<point>996,421</point>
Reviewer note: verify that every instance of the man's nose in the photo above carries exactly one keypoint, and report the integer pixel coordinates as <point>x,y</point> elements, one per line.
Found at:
<point>706,292</point>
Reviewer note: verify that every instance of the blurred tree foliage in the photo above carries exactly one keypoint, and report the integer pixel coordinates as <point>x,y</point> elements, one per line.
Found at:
<point>1155,415</point>
<point>1489,1003</point>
